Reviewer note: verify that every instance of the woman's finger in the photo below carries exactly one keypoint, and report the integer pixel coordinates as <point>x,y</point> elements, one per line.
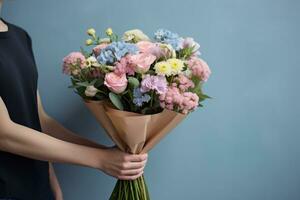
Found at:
<point>122,177</point>
<point>134,165</point>
<point>136,158</point>
<point>132,172</point>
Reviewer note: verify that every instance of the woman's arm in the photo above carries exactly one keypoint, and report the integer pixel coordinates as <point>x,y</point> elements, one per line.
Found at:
<point>55,129</point>
<point>24,141</point>
<point>55,184</point>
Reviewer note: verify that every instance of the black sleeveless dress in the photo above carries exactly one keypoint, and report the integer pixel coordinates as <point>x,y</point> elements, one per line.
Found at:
<point>20,178</point>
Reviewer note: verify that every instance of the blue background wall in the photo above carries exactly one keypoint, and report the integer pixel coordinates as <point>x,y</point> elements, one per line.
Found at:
<point>243,145</point>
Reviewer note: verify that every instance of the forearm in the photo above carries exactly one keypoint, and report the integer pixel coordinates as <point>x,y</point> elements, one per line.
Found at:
<point>55,129</point>
<point>20,140</point>
<point>54,183</point>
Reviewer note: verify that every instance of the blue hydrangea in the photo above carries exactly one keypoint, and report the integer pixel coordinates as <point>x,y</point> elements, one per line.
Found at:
<point>139,98</point>
<point>115,51</point>
<point>168,37</point>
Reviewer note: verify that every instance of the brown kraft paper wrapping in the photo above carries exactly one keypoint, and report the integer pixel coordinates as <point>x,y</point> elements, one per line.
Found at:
<point>133,132</point>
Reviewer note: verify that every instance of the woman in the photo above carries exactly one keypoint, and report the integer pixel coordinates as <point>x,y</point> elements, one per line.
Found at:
<point>30,140</point>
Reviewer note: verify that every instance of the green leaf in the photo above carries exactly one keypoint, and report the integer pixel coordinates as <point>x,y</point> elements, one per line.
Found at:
<point>85,84</point>
<point>116,100</point>
<point>133,82</point>
<point>74,86</point>
<point>93,82</point>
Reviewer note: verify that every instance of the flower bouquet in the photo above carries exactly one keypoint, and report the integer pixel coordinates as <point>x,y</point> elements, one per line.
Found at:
<point>138,89</point>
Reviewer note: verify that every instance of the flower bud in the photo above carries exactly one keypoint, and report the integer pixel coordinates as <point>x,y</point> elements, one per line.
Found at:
<point>88,42</point>
<point>90,91</point>
<point>91,32</point>
<point>109,31</point>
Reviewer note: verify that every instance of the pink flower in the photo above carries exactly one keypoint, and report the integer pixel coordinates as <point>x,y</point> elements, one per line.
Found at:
<point>184,83</point>
<point>174,99</point>
<point>150,48</point>
<point>190,102</point>
<point>97,49</point>
<point>189,42</point>
<point>73,62</point>
<point>124,66</point>
<point>142,62</point>
<point>199,68</point>
<point>116,83</point>
<point>145,46</point>
<point>156,83</point>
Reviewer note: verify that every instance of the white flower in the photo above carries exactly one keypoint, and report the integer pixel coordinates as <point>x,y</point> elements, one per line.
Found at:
<point>90,91</point>
<point>104,40</point>
<point>135,35</point>
<point>92,61</point>
<point>188,73</point>
<point>168,50</point>
<point>190,42</point>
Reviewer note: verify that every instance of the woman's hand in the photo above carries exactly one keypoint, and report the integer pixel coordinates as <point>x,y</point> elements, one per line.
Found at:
<point>122,165</point>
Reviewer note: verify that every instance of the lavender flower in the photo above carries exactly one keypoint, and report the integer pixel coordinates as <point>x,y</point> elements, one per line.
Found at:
<point>139,98</point>
<point>156,83</point>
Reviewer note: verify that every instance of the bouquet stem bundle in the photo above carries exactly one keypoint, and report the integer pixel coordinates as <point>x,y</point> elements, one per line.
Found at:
<point>130,190</point>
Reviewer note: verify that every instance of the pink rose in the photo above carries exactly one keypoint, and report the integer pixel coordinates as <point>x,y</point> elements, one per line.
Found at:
<point>142,62</point>
<point>145,46</point>
<point>150,48</point>
<point>116,83</point>
<point>97,49</point>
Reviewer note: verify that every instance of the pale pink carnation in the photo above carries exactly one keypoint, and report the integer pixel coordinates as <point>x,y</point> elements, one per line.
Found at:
<point>72,62</point>
<point>183,82</point>
<point>190,102</point>
<point>183,102</point>
<point>199,68</point>
<point>124,66</point>
<point>97,49</point>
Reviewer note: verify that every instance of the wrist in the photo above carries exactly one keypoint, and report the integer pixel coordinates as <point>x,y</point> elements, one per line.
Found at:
<point>97,158</point>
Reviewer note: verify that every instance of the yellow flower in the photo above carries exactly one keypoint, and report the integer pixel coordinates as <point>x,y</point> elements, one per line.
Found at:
<point>176,65</point>
<point>163,68</point>
<point>109,32</point>
<point>91,32</point>
<point>88,42</point>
